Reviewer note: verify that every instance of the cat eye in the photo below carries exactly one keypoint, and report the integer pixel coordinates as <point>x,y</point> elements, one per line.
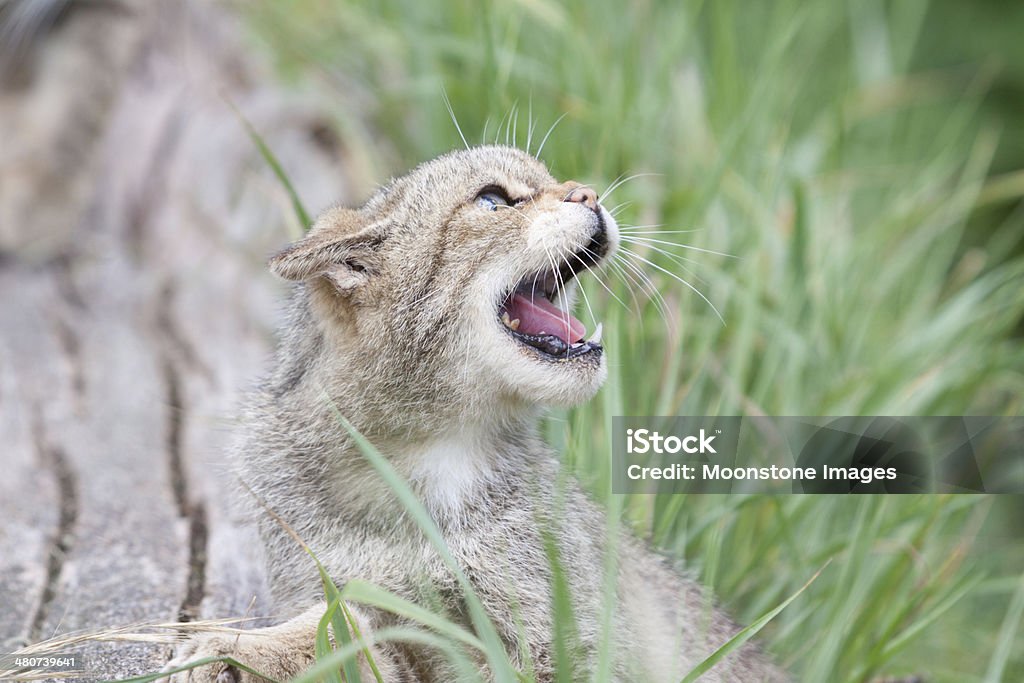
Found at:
<point>491,200</point>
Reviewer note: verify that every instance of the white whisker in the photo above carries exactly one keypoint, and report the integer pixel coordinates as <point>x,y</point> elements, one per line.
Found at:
<point>645,280</point>
<point>513,114</point>
<point>661,250</point>
<point>681,261</point>
<point>623,274</point>
<point>618,207</point>
<point>597,277</point>
<point>559,283</point>
<point>647,240</point>
<point>502,122</point>
<point>646,285</point>
<point>630,231</point>
<point>451,113</point>
<point>620,181</point>
<point>548,134</point>
<point>579,286</point>
<point>483,136</point>
<point>529,126</point>
<point>677,278</point>
<point>634,226</point>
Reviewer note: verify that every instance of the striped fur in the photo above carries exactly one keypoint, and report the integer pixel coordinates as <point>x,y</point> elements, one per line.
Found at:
<point>394,318</point>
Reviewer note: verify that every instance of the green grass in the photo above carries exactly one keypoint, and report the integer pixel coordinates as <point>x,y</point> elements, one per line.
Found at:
<point>802,140</point>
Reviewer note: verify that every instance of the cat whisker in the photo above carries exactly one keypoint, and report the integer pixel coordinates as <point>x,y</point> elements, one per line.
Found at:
<point>483,135</point>
<point>628,281</point>
<point>560,282</point>
<point>513,116</point>
<point>681,261</point>
<point>530,123</point>
<point>677,278</point>
<point>451,113</point>
<point>515,129</point>
<point>649,240</point>
<point>646,285</point>
<point>630,231</point>
<point>597,276</point>
<point>661,250</point>
<point>620,181</point>
<point>548,134</point>
<point>501,122</point>
<point>583,292</point>
<point>618,207</point>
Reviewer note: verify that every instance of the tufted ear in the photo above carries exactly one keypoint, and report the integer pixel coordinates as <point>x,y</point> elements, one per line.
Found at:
<point>339,247</point>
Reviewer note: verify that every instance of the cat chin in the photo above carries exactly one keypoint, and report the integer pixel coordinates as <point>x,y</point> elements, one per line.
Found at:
<point>524,374</point>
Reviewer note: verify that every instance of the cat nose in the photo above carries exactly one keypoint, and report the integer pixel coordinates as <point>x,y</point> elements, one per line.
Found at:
<point>583,195</point>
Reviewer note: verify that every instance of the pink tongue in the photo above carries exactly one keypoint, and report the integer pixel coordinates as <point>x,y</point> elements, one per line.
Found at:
<point>540,316</point>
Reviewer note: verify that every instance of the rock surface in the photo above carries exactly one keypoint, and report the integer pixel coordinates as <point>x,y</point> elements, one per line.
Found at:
<point>135,218</point>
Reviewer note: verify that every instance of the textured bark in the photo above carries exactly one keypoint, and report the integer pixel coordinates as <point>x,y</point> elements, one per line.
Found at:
<point>135,217</point>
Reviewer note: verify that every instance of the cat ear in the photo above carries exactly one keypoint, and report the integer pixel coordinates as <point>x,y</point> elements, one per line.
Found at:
<point>339,247</point>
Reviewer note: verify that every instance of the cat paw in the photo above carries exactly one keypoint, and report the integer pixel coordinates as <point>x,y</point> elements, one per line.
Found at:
<point>262,653</point>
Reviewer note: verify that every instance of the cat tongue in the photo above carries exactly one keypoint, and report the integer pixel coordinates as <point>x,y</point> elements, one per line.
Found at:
<point>537,315</point>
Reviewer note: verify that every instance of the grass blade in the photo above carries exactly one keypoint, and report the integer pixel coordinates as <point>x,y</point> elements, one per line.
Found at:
<point>231,661</point>
<point>275,165</point>
<point>746,634</point>
<point>340,626</point>
<point>1007,636</point>
<point>348,652</point>
<point>323,641</point>
<point>367,593</point>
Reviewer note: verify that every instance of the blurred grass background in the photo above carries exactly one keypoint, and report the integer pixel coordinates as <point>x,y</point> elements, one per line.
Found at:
<point>862,162</point>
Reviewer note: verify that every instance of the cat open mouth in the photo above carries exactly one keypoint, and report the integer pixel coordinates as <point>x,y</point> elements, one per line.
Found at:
<point>533,314</point>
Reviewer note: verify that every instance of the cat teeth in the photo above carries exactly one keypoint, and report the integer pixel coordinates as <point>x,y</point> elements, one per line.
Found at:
<point>596,336</point>
<point>511,324</point>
